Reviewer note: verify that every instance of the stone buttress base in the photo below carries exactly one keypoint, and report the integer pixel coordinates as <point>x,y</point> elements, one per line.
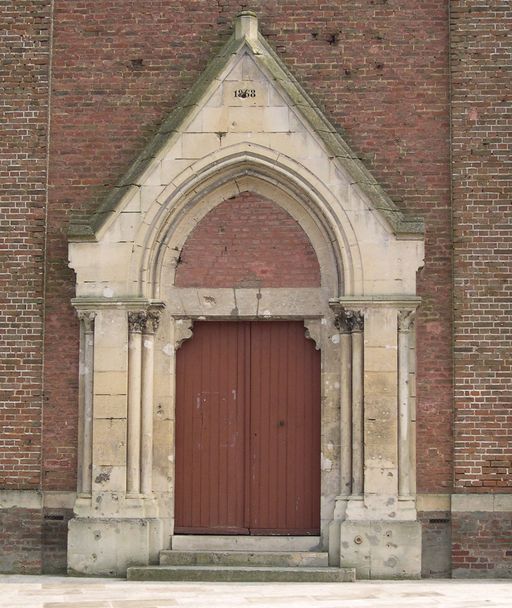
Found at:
<point>107,547</point>
<point>381,549</point>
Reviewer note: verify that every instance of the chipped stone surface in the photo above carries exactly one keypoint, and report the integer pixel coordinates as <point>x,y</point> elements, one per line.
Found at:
<point>381,550</point>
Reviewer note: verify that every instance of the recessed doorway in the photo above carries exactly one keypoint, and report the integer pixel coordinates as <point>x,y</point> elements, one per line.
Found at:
<point>248,430</point>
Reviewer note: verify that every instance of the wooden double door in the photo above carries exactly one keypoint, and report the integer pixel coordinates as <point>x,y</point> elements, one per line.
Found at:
<point>248,430</point>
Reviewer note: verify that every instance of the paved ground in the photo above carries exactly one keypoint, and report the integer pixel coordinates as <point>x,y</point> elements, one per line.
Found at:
<point>62,592</point>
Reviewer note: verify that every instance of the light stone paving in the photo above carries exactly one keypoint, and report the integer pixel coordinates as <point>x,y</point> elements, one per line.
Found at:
<point>67,592</point>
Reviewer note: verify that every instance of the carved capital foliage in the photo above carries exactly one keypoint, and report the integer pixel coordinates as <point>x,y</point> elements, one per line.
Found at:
<point>144,321</point>
<point>152,322</point>
<point>358,320</point>
<point>348,321</point>
<point>406,320</point>
<point>136,321</point>
<point>87,318</point>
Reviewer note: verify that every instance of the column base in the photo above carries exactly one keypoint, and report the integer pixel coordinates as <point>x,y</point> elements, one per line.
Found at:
<point>107,547</point>
<point>380,507</point>
<point>381,549</point>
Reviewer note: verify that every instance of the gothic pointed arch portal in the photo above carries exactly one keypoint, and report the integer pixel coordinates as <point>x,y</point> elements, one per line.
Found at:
<point>247,132</point>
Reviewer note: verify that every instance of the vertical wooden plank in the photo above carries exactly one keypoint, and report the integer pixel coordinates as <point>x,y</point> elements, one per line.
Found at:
<point>245,371</point>
<point>293,412</point>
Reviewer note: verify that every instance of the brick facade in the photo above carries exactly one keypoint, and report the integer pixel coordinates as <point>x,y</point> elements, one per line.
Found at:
<point>482,169</point>
<point>482,182</point>
<point>380,71</point>
<point>24,54</point>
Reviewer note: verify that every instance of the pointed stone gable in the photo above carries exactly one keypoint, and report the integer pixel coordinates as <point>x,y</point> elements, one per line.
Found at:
<point>246,94</point>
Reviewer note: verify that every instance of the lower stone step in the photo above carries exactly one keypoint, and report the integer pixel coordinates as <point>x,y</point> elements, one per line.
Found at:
<point>305,559</point>
<point>254,574</point>
<point>209,542</point>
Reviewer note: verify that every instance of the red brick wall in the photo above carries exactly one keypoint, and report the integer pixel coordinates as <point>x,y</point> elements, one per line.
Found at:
<point>482,545</point>
<point>482,183</point>
<point>378,68</point>
<point>248,241</point>
<point>24,57</point>
<point>20,540</point>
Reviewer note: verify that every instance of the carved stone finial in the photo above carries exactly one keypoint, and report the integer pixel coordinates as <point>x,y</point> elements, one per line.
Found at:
<point>246,25</point>
<point>87,317</point>
<point>348,321</point>
<point>406,320</point>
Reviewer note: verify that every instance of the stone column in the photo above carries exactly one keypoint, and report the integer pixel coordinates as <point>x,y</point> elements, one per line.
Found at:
<point>150,327</point>
<point>380,535</point>
<point>136,320</point>
<point>344,326</point>
<point>357,404</point>
<point>350,323</point>
<point>405,322</point>
<point>86,390</point>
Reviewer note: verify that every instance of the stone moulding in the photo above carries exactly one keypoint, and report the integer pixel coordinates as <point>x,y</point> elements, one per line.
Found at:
<point>405,301</point>
<point>257,169</point>
<point>132,304</point>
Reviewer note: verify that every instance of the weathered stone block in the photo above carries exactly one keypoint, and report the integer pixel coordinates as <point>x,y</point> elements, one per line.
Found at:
<point>108,547</point>
<point>109,442</point>
<point>381,550</point>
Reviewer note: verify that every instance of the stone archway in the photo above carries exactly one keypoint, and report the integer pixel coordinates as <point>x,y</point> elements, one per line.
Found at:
<point>278,298</point>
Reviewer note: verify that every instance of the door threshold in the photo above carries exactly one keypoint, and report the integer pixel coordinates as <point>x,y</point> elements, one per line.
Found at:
<point>244,543</point>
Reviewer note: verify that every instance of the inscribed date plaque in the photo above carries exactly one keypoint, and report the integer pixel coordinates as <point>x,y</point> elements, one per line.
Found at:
<point>245,93</point>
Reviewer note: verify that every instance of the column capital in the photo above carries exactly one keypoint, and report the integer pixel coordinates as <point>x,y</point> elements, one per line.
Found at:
<point>406,320</point>
<point>151,322</point>
<point>348,321</point>
<point>87,317</point>
<point>136,321</point>
<point>144,321</point>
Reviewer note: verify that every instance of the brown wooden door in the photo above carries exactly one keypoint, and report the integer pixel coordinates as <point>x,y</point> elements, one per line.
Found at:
<point>248,430</point>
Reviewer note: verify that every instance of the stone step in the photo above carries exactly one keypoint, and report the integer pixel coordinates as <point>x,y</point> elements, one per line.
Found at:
<point>304,559</point>
<point>255,574</point>
<point>206,542</point>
